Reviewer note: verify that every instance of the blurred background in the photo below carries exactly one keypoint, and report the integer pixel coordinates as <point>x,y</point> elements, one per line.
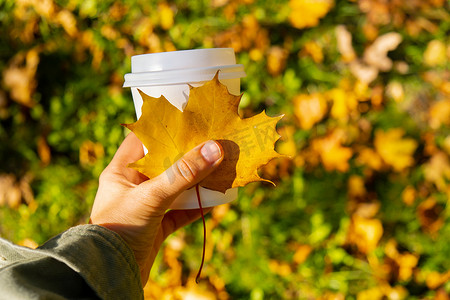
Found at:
<point>361,209</point>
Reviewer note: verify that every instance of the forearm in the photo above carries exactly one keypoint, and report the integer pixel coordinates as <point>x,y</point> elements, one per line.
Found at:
<point>86,261</point>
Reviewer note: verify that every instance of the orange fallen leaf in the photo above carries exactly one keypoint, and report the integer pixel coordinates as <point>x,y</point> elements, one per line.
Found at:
<point>314,50</point>
<point>210,114</point>
<point>306,13</point>
<point>344,43</point>
<point>409,195</point>
<point>166,16</point>
<point>302,253</point>
<point>437,170</point>
<point>429,214</point>
<point>355,186</point>
<point>435,54</point>
<point>276,60</point>
<point>281,268</point>
<point>365,233</point>
<point>370,158</point>
<point>376,54</point>
<point>395,150</point>
<point>401,265</point>
<point>90,152</point>
<point>333,155</point>
<point>439,114</point>
<point>435,279</point>
<point>344,103</point>
<point>309,109</point>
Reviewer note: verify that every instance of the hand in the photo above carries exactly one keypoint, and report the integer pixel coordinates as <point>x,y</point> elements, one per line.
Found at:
<point>135,207</point>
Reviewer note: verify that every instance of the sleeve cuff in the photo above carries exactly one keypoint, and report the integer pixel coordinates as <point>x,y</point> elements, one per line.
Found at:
<point>101,257</point>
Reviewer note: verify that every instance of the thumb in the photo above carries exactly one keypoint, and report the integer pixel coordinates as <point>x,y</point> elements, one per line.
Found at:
<point>189,170</point>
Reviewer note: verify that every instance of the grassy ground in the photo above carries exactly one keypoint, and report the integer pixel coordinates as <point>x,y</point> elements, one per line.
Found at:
<point>360,210</point>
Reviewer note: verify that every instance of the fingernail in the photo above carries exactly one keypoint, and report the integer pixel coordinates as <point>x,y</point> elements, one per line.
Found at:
<point>211,151</point>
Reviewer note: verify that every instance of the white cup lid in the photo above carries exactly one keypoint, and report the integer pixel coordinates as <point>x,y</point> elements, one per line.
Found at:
<point>184,66</point>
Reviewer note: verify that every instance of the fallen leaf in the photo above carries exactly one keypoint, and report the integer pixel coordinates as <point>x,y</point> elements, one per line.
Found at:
<point>333,155</point>
<point>435,53</point>
<point>210,114</point>
<point>446,144</point>
<point>314,50</point>
<point>9,191</point>
<point>248,35</point>
<point>276,60</point>
<point>355,186</point>
<point>302,253</point>
<point>344,103</point>
<point>441,294</point>
<point>409,195</point>
<point>374,293</point>
<point>365,233</point>
<point>309,109</point>
<point>398,292</point>
<point>281,268</point>
<point>68,22</point>
<point>14,190</point>
<point>437,170</point>
<point>429,214</point>
<point>395,150</point>
<point>28,243</point>
<point>376,54</point>
<point>90,152</point>
<point>328,295</point>
<point>363,72</point>
<point>375,58</point>
<point>344,43</point>
<point>369,157</point>
<point>44,150</point>
<point>395,91</point>
<point>439,113</point>
<point>287,145</point>
<point>306,13</point>
<point>401,264</point>
<point>21,80</point>
<point>166,16</point>
<point>367,209</point>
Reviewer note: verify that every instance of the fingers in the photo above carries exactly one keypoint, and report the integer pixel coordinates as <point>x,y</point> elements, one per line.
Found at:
<point>175,219</point>
<point>192,168</point>
<point>129,151</point>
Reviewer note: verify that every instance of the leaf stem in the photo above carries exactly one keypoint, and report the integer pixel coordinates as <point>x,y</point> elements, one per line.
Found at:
<point>197,278</point>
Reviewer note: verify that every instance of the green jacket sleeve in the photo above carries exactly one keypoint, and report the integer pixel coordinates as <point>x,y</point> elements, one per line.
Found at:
<point>84,262</point>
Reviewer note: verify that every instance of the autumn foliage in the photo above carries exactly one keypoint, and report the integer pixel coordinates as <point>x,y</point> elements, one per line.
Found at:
<point>360,210</point>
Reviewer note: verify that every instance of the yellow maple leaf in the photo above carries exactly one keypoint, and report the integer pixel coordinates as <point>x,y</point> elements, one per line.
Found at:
<point>333,155</point>
<point>210,114</point>
<point>302,253</point>
<point>435,54</point>
<point>166,16</point>
<point>309,109</point>
<point>437,170</point>
<point>370,158</point>
<point>276,60</point>
<point>306,13</point>
<point>395,150</point>
<point>344,103</point>
<point>439,113</point>
<point>365,233</point>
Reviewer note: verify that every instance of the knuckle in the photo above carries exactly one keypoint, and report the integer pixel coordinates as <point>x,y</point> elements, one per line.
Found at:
<point>104,175</point>
<point>107,174</point>
<point>187,170</point>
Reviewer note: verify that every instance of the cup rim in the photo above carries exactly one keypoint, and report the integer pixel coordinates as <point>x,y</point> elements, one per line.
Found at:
<point>183,76</point>
<point>182,59</point>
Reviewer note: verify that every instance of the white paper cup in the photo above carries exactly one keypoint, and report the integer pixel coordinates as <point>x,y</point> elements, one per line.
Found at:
<point>168,74</point>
